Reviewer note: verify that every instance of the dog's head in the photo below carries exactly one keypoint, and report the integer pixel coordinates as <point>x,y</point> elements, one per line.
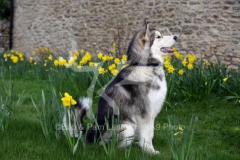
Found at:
<point>149,45</point>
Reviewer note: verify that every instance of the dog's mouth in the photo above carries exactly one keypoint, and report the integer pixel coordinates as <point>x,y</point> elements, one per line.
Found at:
<point>166,50</point>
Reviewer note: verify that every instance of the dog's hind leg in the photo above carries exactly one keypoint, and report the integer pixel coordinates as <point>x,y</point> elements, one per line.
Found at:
<point>126,135</point>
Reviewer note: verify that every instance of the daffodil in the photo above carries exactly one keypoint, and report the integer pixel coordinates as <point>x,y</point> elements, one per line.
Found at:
<point>170,69</point>
<point>114,72</point>
<point>50,51</point>
<point>167,58</point>
<point>206,62</point>
<point>50,57</point>
<point>101,70</point>
<point>124,58</point>
<point>174,49</point>
<point>76,53</point>
<point>190,66</point>
<point>167,63</point>
<point>14,59</point>
<point>177,55</point>
<point>4,55</point>
<point>69,63</point>
<point>191,58</point>
<point>104,58</point>
<point>74,58</point>
<point>20,55</point>
<point>56,62</point>
<point>110,58</point>
<point>111,67</point>
<point>68,101</point>
<point>90,64</point>
<point>30,59</point>
<point>117,60</point>
<point>95,64</point>
<point>225,79</point>
<point>184,62</point>
<point>114,44</point>
<point>100,55</point>
<point>180,131</point>
<point>88,56</point>
<point>181,71</point>
<point>113,50</point>
<point>62,61</point>
<point>82,51</point>
<point>83,61</point>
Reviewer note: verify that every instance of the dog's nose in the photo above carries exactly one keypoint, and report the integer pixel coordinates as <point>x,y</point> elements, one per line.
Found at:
<point>175,38</point>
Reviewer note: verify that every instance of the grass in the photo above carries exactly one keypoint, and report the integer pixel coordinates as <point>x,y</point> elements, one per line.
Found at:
<point>216,134</point>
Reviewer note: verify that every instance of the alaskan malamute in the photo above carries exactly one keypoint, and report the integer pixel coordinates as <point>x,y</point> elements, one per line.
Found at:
<point>137,93</point>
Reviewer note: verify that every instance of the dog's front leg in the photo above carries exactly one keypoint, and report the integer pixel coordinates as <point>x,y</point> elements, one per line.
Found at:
<point>146,132</point>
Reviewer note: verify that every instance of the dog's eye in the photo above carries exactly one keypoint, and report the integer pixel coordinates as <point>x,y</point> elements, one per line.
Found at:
<point>159,36</point>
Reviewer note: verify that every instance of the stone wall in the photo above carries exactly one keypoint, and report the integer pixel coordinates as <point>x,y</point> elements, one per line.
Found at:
<point>4,35</point>
<point>207,29</point>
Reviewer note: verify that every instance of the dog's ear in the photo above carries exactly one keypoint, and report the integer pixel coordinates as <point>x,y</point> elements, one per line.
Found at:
<point>144,32</point>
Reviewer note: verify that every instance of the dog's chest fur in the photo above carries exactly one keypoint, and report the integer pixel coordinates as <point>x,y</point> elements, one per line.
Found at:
<point>152,88</point>
<point>157,91</point>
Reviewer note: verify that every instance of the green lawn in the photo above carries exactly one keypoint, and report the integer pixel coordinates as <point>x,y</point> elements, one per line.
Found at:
<point>216,136</point>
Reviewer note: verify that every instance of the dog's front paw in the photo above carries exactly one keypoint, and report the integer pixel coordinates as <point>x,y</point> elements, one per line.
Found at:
<point>152,151</point>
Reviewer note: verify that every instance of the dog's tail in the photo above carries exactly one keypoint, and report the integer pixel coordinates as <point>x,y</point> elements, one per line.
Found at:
<point>73,119</point>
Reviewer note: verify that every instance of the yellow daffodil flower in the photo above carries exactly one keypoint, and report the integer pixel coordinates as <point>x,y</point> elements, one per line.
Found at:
<point>4,55</point>
<point>124,58</point>
<point>206,62</point>
<point>167,64</point>
<point>117,60</point>
<point>50,57</point>
<point>104,58</point>
<point>225,79</point>
<point>170,69</point>
<point>76,53</point>
<point>68,101</point>
<point>184,62</point>
<point>113,50</point>
<point>180,72</point>
<point>114,72</point>
<point>101,70</point>
<point>190,66</point>
<point>111,67</point>
<point>99,55</point>
<point>90,64</point>
<point>110,58</point>
<point>56,62</point>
